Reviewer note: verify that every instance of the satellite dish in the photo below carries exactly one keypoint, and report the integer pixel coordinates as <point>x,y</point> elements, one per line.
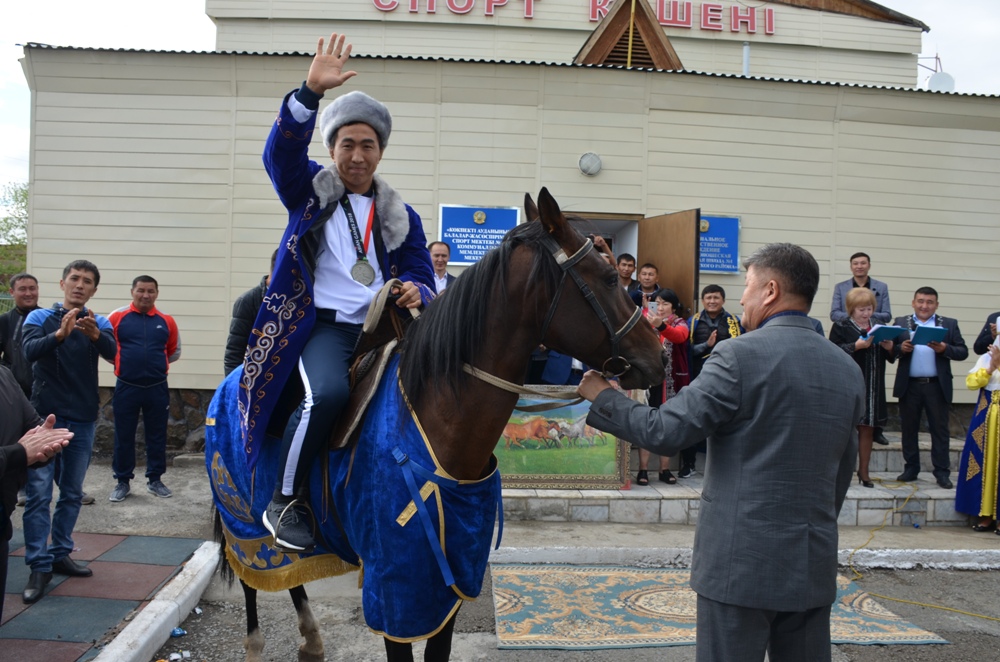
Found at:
<point>941,82</point>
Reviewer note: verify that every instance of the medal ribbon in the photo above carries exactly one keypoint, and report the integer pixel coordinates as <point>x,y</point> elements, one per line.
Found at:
<point>360,247</point>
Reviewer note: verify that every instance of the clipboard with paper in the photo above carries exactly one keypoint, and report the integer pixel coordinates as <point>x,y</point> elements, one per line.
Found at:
<point>928,334</point>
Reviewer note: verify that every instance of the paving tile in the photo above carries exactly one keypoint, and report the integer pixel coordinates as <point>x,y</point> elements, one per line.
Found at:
<point>12,606</point>
<point>119,581</point>
<point>34,650</point>
<point>89,546</point>
<point>152,550</point>
<point>17,540</point>
<point>65,618</point>
<point>86,546</point>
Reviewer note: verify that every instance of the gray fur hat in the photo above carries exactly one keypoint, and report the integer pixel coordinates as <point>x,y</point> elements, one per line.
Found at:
<point>352,108</point>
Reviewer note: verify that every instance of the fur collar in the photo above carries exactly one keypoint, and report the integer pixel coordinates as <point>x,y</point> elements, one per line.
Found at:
<point>392,213</point>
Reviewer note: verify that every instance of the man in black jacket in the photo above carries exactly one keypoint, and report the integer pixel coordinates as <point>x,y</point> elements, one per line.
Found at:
<point>987,335</point>
<point>24,289</point>
<point>244,313</point>
<point>924,383</point>
<point>24,439</point>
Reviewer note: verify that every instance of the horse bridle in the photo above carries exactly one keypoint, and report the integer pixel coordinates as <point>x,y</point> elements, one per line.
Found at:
<point>566,263</point>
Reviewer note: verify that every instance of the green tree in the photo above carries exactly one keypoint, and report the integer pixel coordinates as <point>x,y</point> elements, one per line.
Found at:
<point>13,229</point>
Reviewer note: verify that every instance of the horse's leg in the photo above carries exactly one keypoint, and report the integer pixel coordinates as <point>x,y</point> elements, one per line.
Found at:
<point>254,642</point>
<point>397,652</point>
<point>311,649</point>
<point>439,646</point>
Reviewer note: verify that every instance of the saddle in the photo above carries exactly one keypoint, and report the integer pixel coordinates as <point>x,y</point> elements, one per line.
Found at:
<point>384,327</point>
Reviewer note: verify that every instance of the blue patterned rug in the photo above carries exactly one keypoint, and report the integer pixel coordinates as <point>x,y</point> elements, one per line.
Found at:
<point>578,607</point>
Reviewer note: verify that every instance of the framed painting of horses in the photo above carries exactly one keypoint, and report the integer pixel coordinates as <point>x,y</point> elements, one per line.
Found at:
<point>557,449</point>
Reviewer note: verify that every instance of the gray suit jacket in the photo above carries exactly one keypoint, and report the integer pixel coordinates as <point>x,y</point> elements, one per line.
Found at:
<point>838,305</point>
<point>779,406</point>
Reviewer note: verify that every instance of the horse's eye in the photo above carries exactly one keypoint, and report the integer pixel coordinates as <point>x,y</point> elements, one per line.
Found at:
<point>612,280</point>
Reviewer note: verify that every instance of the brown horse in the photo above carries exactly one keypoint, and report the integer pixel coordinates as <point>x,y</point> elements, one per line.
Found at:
<point>545,284</point>
<point>536,428</point>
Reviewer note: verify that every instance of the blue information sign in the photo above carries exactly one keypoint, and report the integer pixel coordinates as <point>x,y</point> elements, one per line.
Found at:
<point>472,231</point>
<point>719,244</point>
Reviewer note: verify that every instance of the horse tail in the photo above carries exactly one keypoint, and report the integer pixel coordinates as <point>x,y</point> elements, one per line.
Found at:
<point>222,567</point>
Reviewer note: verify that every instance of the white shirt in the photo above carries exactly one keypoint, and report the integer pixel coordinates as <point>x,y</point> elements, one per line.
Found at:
<point>333,287</point>
<point>923,363</point>
<point>441,282</point>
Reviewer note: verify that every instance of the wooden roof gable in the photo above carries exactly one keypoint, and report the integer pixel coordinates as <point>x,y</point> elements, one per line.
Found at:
<point>608,44</point>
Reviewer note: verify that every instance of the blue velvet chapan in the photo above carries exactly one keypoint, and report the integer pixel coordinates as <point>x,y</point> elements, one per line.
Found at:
<point>405,593</point>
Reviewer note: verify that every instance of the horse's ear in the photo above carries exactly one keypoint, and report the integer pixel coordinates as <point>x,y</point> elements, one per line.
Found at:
<point>550,214</point>
<point>530,210</point>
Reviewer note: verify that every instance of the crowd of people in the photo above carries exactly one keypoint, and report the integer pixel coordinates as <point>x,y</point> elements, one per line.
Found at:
<point>49,381</point>
<point>863,327</point>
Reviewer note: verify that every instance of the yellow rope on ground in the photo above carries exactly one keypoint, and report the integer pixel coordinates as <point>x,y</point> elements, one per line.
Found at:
<point>871,536</point>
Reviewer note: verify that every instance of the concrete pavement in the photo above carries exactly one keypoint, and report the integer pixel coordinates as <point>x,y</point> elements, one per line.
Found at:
<point>188,514</point>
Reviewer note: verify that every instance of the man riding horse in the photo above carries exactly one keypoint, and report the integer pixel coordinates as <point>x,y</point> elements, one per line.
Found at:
<point>348,234</point>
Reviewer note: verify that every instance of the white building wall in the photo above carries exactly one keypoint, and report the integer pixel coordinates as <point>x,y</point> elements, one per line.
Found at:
<point>806,44</point>
<point>150,163</point>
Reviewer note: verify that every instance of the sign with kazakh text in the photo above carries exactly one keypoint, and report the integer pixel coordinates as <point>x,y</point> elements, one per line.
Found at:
<point>719,244</point>
<point>472,231</point>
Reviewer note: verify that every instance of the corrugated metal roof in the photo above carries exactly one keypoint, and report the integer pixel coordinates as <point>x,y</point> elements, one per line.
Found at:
<point>536,63</point>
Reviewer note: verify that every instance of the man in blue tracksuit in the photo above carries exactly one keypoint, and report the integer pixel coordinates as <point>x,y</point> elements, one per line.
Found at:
<point>148,343</point>
<point>63,343</point>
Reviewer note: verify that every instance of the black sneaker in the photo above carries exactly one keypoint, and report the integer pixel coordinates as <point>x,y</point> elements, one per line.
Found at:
<point>289,524</point>
<point>686,472</point>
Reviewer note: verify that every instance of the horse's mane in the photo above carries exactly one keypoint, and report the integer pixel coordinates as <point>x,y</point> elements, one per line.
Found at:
<point>451,332</point>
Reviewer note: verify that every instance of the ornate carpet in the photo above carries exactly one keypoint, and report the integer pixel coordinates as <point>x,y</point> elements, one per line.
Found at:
<point>579,607</point>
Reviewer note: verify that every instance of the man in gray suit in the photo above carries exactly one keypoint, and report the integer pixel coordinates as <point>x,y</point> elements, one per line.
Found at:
<point>779,406</point>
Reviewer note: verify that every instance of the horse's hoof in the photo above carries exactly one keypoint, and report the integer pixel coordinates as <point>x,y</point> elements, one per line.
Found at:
<point>305,656</point>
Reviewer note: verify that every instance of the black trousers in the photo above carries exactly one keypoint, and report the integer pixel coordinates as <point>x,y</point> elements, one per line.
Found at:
<point>927,396</point>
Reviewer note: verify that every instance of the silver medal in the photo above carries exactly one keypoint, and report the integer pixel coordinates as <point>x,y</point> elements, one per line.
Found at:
<point>363,272</point>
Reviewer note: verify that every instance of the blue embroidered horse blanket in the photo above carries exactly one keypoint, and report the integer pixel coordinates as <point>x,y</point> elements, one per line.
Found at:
<point>416,566</point>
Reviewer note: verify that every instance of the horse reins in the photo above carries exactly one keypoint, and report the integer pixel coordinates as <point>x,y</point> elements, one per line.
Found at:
<point>566,263</point>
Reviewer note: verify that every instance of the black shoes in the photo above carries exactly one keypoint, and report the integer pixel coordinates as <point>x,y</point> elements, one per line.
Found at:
<point>908,476</point>
<point>864,481</point>
<point>37,582</point>
<point>67,566</point>
<point>686,471</point>
<point>289,524</point>
<point>667,477</point>
<point>880,439</point>
<point>945,482</point>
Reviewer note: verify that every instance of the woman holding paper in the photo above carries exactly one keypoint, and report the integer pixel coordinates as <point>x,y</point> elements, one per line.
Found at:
<point>852,335</point>
<point>976,493</point>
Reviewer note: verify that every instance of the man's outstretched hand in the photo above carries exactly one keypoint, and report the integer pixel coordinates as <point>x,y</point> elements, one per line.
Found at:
<point>327,69</point>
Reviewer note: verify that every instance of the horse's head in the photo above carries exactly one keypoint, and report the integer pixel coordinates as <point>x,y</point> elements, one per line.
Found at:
<point>590,317</point>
